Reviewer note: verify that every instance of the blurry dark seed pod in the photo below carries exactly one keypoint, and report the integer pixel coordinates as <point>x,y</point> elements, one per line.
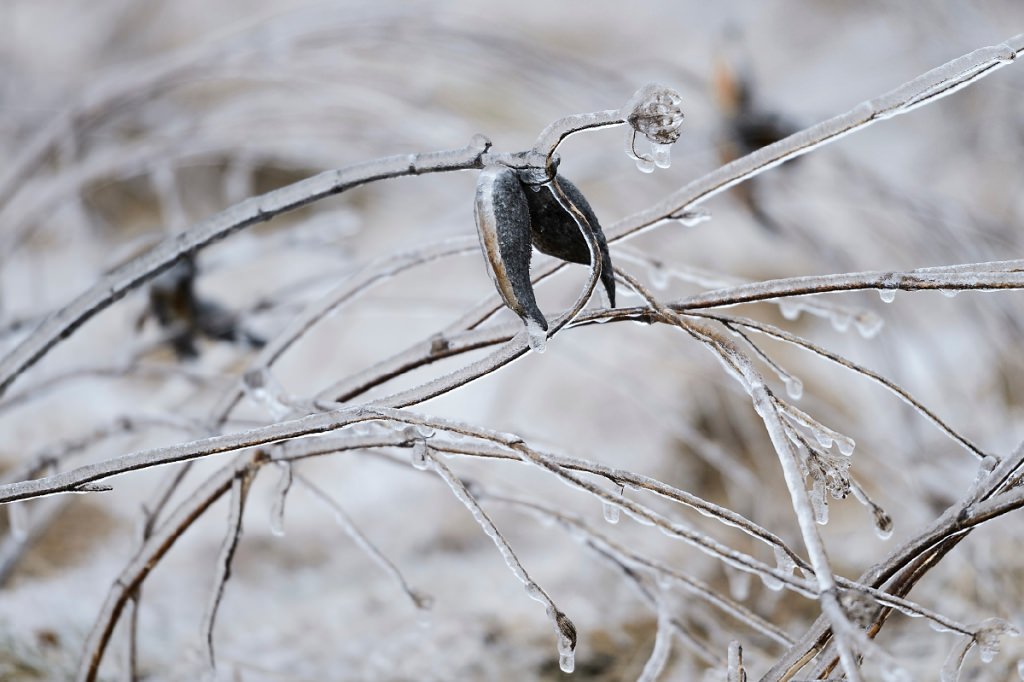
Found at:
<point>556,233</point>
<point>503,225</point>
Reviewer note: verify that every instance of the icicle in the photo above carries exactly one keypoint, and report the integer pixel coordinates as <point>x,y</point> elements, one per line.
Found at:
<point>819,501</point>
<point>887,295</point>
<point>739,582</point>
<point>840,320</point>
<point>868,324</point>
<point>894,672</point>
<point>645,165</point>
<point>845,445</point>
<point>536,336</point>
<point>420,455</point>
<point>659,277</point>
<point>261,386</point>
<point>17,518</point>
<point>611,512</point>
<point>284,484</point>
<point>662,154</point>
<point>789,309</point>
<point>794,388</point>
<point>950,293</point>
<point>783,561</point>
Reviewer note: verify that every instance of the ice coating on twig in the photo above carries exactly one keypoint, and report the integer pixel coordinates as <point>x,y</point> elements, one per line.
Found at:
<point>662,647</point>
<point>955,660</point>
<point>281,489</point>
<point>564,629</point>
<point>419,600</point>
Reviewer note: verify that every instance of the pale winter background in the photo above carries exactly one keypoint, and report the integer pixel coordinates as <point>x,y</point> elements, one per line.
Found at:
<point>154,115</point>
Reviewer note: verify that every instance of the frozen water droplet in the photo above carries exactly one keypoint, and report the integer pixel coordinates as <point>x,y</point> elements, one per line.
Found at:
<point>611,512</point>
<point>420,455</point>
<point>537,336</point>
<point>883,524</point>
<point>887,295</point>
<point>17,518</point>
<point>845,445</point>
<point>824,439</point>
<point>567,662</point>
<point>739,583</point>
<point>284,484</point>
<point>894,672</point>
<point>789,309</point>
<point>662,155</point>
<point>950,293</point>
<point>840,321</point>
<point>422,600</point>
<point>659,277</point>
<point>868,324</point>
<point>423,430</point>
<point>692,217</point>
<point>794,388</point>
<point>534,591</point>
<point>645,165</point>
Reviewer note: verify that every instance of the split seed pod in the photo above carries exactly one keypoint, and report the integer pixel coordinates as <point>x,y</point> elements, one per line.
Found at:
<point>555,232</point>
<point>503,225</point>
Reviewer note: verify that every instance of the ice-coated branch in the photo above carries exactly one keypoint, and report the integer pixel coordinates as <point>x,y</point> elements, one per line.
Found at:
<point>565,631</point>
<point>662,573</point>
<point>145,560</point>
<point>249,212</point>
<point>420,601</point>
<point>239,492</point>
<point>896,389</point>
<point>954,279</point>
<point>922,90</point>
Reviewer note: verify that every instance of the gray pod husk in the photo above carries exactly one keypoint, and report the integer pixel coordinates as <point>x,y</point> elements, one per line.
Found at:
<point>555,232</point>
<point>503,225</point>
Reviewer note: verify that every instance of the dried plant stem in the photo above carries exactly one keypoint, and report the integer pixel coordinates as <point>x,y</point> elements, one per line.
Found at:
<point>419,601</point>
<point>239,492</point>
<point>565,631</point>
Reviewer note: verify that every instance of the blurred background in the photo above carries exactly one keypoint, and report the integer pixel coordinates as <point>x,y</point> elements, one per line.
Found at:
<point>124,122</point>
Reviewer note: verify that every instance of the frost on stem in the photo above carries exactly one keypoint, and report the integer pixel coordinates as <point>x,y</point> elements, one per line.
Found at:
<point>656,113</point>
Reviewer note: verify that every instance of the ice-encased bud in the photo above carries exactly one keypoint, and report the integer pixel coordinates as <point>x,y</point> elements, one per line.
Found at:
<point>655,111</point>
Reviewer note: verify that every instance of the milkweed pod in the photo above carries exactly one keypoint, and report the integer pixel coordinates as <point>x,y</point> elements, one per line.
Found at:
<point>555,232</point>
<point>503,225</point>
